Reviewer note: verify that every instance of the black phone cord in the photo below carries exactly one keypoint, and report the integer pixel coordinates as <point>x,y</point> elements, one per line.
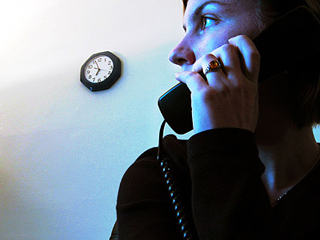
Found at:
<point>174,194</point>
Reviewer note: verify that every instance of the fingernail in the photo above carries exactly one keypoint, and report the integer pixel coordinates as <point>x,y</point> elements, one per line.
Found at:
<point>232,39</point>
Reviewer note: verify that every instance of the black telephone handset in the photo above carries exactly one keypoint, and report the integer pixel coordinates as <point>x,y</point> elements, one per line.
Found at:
<point>287,42</point>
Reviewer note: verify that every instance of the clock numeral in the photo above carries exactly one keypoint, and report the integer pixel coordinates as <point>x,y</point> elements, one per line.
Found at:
<point>105,77</point>
<point>109,62</point>
<point>93,79</point>
<point>90,76</point>
<point>100,60</point>
<point>88,71</point>
<point>90,66</point>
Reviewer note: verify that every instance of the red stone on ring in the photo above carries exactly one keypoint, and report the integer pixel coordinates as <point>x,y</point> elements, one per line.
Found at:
<point>213,66</point>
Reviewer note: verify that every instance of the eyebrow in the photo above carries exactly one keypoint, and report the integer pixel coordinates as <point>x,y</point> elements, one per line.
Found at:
<point>199,9</point>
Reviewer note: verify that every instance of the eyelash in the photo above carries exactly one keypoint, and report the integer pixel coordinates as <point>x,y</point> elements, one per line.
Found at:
<point>206,18</point>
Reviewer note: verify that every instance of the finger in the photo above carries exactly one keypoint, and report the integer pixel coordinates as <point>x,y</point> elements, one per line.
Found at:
<point>193,80</point>
<point>203,64</point>
<point>229,57</point>
<point>250,56</point>
<point>210,65</point>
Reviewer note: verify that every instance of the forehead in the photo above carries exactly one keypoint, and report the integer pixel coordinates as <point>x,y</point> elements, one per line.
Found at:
<point>232,7</point>
<point>191,5</point>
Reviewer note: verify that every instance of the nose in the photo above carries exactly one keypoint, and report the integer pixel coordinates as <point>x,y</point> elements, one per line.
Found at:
<point>182,54</point>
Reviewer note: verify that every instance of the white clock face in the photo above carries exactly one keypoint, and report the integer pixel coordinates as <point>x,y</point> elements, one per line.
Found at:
<point>99,69</point>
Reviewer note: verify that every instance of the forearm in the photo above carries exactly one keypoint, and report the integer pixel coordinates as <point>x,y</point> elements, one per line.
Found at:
<point>229,200</point>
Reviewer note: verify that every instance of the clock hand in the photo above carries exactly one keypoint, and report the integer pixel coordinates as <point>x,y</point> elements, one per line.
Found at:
<point>97,65</point>
<point>106,69</point>
<point>97,68</point>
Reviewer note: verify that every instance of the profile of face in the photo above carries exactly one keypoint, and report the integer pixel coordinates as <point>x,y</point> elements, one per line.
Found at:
<point>209,24</point>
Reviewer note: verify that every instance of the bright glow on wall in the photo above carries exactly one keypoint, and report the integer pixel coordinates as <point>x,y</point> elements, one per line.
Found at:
<point>64,149</point>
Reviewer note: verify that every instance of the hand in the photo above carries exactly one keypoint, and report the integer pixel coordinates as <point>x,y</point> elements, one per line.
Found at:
<point>229,97</point>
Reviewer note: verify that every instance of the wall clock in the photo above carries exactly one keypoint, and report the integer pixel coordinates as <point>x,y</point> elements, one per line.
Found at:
<point>100,71</point>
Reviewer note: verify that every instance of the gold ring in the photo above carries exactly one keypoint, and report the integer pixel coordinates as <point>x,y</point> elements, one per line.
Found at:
<point>213,66</point>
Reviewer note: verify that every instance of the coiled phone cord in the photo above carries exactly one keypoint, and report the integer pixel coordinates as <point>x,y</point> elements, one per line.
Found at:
<point>174,194</point>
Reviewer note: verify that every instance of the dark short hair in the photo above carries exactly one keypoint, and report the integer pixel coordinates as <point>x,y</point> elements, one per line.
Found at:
<point>301,91</point>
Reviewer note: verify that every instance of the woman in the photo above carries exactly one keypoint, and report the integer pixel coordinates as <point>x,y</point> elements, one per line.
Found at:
<point>250,171</point>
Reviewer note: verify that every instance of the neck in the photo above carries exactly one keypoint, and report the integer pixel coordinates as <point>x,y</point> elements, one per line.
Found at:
<point>287,152</point>
<point>287,160</point>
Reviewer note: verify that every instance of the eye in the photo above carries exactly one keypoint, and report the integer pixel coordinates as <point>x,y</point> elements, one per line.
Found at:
<point>209,21</point>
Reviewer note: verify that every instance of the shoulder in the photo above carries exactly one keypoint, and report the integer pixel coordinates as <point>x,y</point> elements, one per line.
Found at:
<point>143,207</point>
<point>142,180</point>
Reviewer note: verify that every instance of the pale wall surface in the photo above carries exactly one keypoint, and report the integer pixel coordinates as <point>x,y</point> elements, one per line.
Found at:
<point>64,149</point>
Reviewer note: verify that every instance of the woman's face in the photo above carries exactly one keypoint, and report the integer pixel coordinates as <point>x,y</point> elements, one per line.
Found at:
<point>209,24</point>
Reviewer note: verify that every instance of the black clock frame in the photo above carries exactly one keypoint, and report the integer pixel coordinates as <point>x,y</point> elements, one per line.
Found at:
<point>106,84</point>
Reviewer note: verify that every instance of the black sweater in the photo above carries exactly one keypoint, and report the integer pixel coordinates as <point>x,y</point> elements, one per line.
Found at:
<point>219,175</point>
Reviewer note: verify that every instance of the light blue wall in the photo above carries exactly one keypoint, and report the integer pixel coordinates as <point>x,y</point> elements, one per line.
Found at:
<point>64,149</point>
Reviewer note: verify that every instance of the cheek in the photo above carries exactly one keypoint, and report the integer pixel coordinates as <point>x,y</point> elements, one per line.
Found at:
<point>210,42</point>
<point>205,43</point>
